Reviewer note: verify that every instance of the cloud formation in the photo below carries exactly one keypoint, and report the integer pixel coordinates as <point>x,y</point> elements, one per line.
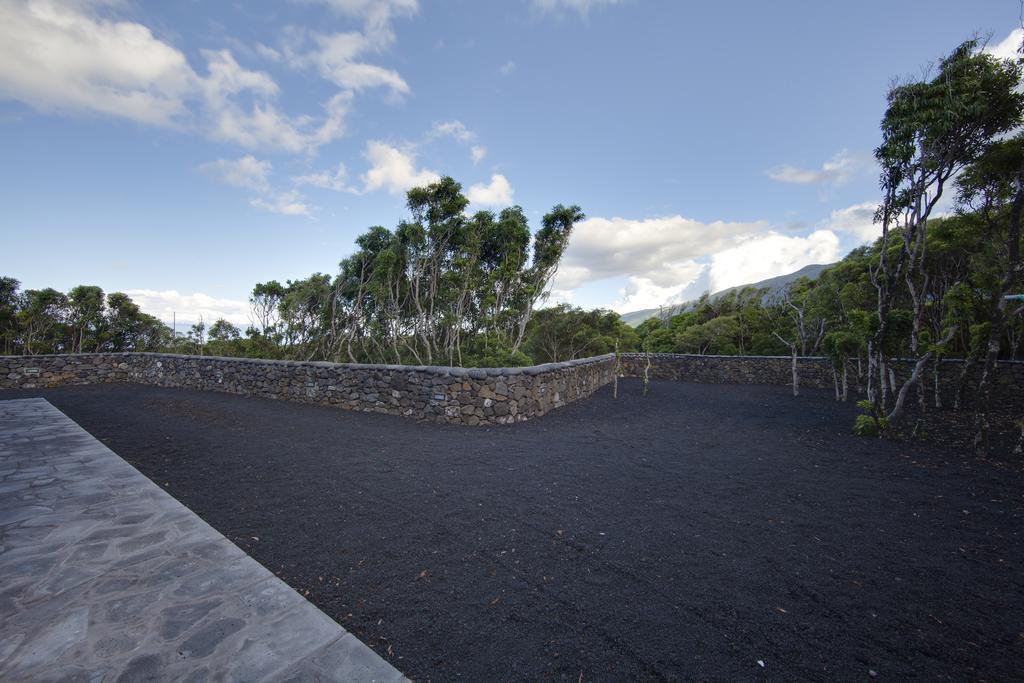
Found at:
<point>857,220</point>
<point>458,131</point>
<point>170,304</point>
<point>251,173</point>
<point>247,172</point>
<point>1008,47</point>
<point>657,249</point>
<point>54,57</point>
<point>335,57</point>
<point>836,171</point>
<point>498,192</point>
<point>763,256</point>
<point>78,58</point>
<point>672,259</point>
<point>288,203</point>
<point>326,180</point>
<point>583,7</point>
<point>393,169</point>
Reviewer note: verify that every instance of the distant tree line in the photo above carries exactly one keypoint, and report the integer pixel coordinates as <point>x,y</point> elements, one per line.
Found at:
<point>84,320</point>
<point>441,288</point>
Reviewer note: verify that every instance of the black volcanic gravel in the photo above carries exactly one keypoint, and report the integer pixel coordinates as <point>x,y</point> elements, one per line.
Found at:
<point>704,532</point>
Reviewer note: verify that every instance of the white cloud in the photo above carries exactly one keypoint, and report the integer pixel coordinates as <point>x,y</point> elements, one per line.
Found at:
<point>456,129</point>
<point>393,169</point>
<point>641,292</point>
<point>187,308</point>
<point>375,14</point>
<point>228,77</point>
<point>69,57</point>
<point>263,126</point>
<point>582,6</point>
<point>54,56</point>
<point>285,203</point>
<point>326,180</point>
<point>335,57</point>
<point>673,259</point>
<point>268,53</point>
<point>857,220</point>
<point>658,249</point>
<point>499,191</point>
<point>836,171</point>
<point>248,172</point>
<point>1008,47</point>
<point>768,255</point>
<point>507,69</point>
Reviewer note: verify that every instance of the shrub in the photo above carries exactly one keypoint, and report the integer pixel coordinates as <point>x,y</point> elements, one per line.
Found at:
<point>868,424</point>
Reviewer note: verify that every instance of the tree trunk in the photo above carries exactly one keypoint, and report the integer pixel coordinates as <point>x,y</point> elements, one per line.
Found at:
<point>615,379</point>
<point>961,385</point>
<point>901,398</point>
<point>647,372</point>
<point>796,374</point>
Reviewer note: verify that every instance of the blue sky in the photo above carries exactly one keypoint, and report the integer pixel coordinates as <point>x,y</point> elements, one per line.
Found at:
<point>184,151</point>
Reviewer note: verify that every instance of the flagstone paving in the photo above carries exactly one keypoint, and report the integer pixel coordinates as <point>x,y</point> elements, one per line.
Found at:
<point>104,576</point>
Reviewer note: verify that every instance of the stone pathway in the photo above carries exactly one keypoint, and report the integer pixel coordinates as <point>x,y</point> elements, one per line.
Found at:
<point>106,577</point>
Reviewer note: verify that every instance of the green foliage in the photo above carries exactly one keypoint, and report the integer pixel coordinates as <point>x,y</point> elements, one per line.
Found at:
<point>868,425</point>
<point>425,292</point>
<point>485,352</point>
<point>85,319</point>
<point>565,332</point>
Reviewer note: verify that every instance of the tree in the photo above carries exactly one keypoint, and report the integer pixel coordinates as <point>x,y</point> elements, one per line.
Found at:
<point>129,329</point>
<point>931,130</point>
<point>224,339</point>
<point>993,188</point>
<point>799,323</point>
<point>9,304</point>
<point>565,332</point>
<point>418,293</point>
<point>42,314</point>
<point>264,302</point>
<point>86,308</point>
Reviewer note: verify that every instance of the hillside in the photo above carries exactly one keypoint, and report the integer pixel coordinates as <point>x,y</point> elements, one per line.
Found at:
<point>772,284</point>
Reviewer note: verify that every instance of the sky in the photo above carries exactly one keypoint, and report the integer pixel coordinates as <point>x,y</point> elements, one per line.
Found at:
<point>183,151</point>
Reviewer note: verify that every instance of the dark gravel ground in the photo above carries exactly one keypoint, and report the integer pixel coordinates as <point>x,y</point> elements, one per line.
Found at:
<point>694,534</point>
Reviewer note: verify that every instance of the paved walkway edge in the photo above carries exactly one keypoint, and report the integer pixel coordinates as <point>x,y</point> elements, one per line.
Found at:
<point>105,576</point>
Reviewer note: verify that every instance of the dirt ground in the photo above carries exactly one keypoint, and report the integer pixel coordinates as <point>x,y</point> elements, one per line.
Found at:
<point>704,532</point>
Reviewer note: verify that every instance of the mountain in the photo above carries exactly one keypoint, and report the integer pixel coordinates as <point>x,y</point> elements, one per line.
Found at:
<point>774,285</point>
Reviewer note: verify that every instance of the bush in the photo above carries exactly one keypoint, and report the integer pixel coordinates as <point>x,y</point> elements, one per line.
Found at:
<point>868,424</point>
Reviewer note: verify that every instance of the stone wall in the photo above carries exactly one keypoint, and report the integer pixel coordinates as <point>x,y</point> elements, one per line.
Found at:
<point>441,394</point>
<point>817,372</point>
<point>453,395</point>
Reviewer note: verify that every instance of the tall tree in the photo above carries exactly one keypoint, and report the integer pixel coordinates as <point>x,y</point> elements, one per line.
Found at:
<point>993,189</point>
<point>932,128</point>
